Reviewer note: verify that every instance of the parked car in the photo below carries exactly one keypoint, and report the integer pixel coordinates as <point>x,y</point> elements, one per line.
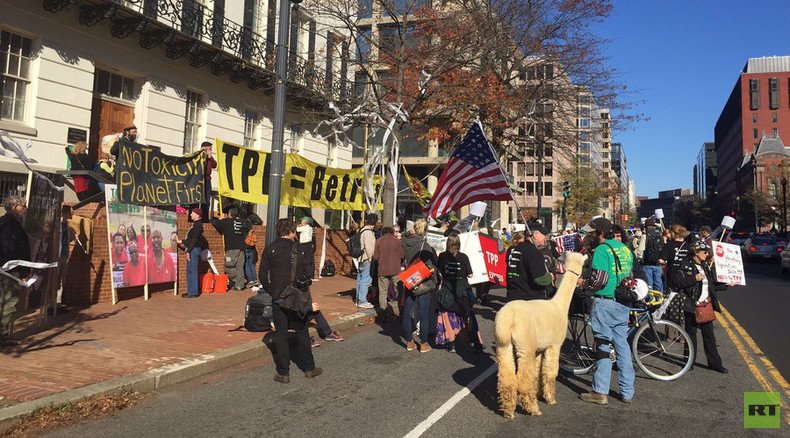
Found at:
<point>761,247</point>
<point>737,238</point>
<point>786,260</point>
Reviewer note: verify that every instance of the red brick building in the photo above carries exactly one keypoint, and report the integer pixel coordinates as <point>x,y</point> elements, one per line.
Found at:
<point>758,106</point>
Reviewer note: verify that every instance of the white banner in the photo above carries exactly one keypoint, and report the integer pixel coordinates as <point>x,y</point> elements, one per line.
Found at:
<point>729,264</point>
<point>470,245</point>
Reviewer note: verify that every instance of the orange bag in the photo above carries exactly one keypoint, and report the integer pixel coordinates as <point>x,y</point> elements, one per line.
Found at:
<point>415,274</point>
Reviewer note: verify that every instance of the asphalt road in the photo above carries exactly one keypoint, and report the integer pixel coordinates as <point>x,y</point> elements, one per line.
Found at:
<point>373,387</point>
<point>762,308</point>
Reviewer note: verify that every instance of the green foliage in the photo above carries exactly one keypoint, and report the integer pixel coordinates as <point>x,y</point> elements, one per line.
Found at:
<point>766,207</point>
<point>587,192</point>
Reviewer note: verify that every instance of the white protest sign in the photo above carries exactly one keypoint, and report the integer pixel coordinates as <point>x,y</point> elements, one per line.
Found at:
<point>729,264</point>
<point>470,245</point>
<point>436,239</point>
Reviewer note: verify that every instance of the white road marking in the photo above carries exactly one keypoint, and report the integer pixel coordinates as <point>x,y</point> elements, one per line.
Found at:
<point>449,404</point>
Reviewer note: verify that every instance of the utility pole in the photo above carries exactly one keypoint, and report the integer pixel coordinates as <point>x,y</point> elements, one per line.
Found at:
<point>539,190</point>
<point>278,158</point>
<point>784,204</point>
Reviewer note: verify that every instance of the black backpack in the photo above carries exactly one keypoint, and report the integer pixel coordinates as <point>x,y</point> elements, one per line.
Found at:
<point>354,244</point>
<point>329,269</point>
<point>653,248</point>
<point>258,313</point>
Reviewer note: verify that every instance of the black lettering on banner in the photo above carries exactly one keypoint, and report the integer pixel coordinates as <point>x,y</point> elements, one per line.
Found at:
<point>357,184</point>
<point>318,179</point>
<point>346,179</point>
<point>267,165</point>
<point>297,171</point>
<point>331,188</point>
<point>249,167</point>
<point>230,152</point>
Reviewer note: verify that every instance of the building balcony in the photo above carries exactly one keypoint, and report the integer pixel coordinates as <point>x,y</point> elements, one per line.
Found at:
<point>206,38</point>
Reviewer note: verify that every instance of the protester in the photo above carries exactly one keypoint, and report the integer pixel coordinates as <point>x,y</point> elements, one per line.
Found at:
<point>193,245</point>
<point>306,241</point>
<point>14,245</point>
<point>527,275</point>
<point>506,233</point>
<point>234,230</point>
<point>388,255</point>
<point>705,234</point>
<point>651,245</point>
<point>612,262</point>
<point>134,271</point>
<point>368,241</point>
<point>697,280</point>
<point>415,246</point>
<point>129,133</point>
<point>675,251</point>
<point>84,186</point>
<point>160,265</point>
<point>324,329</point>
<point>66,237</point>
<point>105,168</point>
<point>251,253</point>
<point>275,275</point>
<point>396,232</point>
<point>454,304</point>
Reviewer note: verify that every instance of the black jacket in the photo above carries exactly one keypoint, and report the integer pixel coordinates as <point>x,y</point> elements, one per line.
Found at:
<point>455,270</point>
<point>686,283</point>
<point>14,243</point>
<point>195,237</point>
<point>274,272</point>
<point>526,268</point>
<point>234,230</point>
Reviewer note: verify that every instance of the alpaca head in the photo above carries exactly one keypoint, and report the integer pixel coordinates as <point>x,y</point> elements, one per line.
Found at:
<point>574,262</point>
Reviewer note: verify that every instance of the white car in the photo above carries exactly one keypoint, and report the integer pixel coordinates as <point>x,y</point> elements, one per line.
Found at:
<point>786,260</point>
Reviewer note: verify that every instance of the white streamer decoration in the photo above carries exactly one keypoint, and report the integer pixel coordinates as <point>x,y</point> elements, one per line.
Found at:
<point>11,149</point>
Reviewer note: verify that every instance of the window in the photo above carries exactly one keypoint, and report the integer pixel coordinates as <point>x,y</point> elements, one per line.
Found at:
<point>547,188</point>
<point>605,155</point>
<point>529,169</point>
<point>15,53</point>
<point>522,75</point>
<point>772,190</point>
<point>192,121</point>
<point>755,132</point>
<point>548,151</point>
<point>584,123</point>
<point>584,136</point>
<point>584,112</point>
<point>365,8</point>
<point>754,117</point>
<point>754,94</point>
<point>192,18</point>
<point>363,44</point>
<point>773,93</point>
<point>250,127</point>
<point>584,147</point>
<point>548,169</point>
<point>530,188</point>
<point>775,133</point>
<point>113,85</point>
<point>774,117</point>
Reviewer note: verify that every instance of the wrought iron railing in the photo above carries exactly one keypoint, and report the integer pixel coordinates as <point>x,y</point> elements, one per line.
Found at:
<point>208,37</point>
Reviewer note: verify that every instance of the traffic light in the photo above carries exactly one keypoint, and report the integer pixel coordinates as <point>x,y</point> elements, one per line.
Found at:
<point>566,189</point>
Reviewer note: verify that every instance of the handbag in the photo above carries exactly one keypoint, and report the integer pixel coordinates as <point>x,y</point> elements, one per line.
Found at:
<point>703,312</point>
<point>296,296</point>
<point>251,239</point>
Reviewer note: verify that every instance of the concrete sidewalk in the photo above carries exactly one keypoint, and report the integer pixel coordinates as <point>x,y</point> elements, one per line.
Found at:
<point>142,345</point>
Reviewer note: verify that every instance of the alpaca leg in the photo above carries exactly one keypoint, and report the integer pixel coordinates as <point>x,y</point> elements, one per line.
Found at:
<point>548,377</point>
<point>527,384</point>
<point>506,379</point>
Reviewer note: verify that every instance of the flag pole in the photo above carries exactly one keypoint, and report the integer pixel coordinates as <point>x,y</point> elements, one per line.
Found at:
<point>504,175</point>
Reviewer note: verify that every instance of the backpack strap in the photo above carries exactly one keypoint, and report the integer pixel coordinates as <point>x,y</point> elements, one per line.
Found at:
<point>294,254</point>
<point>617,263</point>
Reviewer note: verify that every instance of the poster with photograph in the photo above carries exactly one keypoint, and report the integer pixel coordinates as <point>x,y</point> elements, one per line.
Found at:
<point>125,223</point>
<point>162,255</point>
<point>42,223</point>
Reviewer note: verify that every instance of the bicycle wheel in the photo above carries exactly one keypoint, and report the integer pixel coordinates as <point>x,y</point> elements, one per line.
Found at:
<point>577,354</point>
<point>662,350</point>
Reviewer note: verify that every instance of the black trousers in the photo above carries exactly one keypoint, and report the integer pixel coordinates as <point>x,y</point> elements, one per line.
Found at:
<point>708,340</point>
<point>302,353</point>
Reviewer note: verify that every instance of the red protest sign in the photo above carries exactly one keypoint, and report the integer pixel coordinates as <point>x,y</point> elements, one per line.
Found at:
<point>496,263</point>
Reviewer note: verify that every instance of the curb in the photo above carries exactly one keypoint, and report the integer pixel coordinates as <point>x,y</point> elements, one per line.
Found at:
<point>162,377</point>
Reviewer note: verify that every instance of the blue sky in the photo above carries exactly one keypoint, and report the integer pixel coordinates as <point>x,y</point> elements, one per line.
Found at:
<point>683,58</point>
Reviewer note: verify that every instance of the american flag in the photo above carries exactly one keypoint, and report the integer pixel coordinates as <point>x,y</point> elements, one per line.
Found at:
<point>472,174</point>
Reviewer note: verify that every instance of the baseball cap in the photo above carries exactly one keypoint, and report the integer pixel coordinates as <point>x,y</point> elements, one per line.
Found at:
<point>537,226</point>
<point>598,224</point>
<point>700,245</point>
<point>307,219</point>
<point>197,211</point>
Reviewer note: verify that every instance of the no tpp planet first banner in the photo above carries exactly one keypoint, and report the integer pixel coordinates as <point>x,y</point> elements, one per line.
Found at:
<point>146,176</point>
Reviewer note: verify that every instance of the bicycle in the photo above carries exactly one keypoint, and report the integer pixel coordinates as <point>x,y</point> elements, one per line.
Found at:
<point>661,349</point>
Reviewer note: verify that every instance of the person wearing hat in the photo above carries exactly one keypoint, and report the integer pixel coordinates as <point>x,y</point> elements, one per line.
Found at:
<point>193,245</point>
<point>305,232</point>
<point>697,281</point>
<point>649,251</point>
<point>368,241</point>
<point>527,275</point>
<point>612,262</point>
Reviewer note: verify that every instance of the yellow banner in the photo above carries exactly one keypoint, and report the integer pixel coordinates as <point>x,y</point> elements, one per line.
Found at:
<point>244,175</point>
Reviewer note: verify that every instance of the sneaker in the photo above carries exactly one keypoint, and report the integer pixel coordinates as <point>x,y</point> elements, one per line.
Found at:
<point>424,348</point>
<point>314,373</point>
<point>314,343</point>
<point>626,400</point>
<point>411,346</point>
<point>450,348</point>
<point>282,379</point>
<point>188,296</point>
<point>365,306</point>
<point>334,336</point>
<point>594,397</point>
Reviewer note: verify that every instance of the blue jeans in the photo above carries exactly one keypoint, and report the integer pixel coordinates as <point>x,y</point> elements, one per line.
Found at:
<point>193,282</point>
<point>363,282</point>
<point>249,264</point>
<point>609,320</point>
<point>423,303</point>
<point>654,281</point>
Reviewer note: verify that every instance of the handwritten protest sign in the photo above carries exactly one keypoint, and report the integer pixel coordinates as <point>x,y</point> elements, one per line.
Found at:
<point>729,264</point>
<point>495,260</point>
<point>148,177</point>
<point>244,175</point>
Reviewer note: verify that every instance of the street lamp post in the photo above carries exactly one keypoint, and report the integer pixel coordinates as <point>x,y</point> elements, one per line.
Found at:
<point>278,120</point>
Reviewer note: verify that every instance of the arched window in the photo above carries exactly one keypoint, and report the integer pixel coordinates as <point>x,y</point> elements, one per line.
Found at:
<point>772,189</point>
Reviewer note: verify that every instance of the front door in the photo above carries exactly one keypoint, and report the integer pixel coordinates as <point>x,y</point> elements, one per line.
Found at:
<point>107,118</point>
